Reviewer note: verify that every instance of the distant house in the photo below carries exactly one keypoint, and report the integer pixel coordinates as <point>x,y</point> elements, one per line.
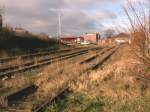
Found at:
<point>118,39</point>
<point>123,40</point>
<point>20,30</point>
<point>93,38</point>
<point>71,39</point>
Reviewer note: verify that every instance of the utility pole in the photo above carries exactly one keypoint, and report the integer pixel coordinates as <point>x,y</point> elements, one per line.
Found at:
<point>59,22</point>
<point>59,27</point>
<point>59,32</point>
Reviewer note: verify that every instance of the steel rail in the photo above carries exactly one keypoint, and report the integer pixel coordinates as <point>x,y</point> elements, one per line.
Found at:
<point>41,63</point>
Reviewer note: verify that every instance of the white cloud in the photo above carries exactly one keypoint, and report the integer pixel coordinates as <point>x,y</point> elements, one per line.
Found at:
<point>42,15</point>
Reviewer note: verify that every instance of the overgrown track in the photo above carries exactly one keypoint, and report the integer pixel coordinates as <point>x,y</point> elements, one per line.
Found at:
<point>38,54</point>
<point>10,71</point>
<point>7,59</point>
<point>144,78</point>
<point>13,97</point>
<point>10,99</point>
<point>28,63</point>
<point>106,54</point>
<point>42,107</point>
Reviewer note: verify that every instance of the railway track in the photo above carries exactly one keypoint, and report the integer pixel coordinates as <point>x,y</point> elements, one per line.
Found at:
<point>92,66</point>
<point>105,54</point>
<point>7,59</point>
<point>144,78</point>
<point>38,54</point>
<point>18,95</point>
<point>73,54</point>
<point>50,101</point>
<point>4,69</point>
<point>34,60</point>
<point>10,71</point>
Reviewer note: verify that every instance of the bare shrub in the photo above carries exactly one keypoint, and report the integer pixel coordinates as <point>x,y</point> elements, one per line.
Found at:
<point>138,15</point>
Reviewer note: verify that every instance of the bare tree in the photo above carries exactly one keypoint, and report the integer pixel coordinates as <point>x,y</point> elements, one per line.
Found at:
<point>138,16</point>
<point>109,33</point>
<point>149,29</point>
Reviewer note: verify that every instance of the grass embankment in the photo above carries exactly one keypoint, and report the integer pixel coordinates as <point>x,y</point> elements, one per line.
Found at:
<point>114,88</point>
<point>11,44</point>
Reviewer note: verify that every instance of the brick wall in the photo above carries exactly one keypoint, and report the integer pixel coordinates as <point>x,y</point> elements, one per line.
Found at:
<point>91,37</point>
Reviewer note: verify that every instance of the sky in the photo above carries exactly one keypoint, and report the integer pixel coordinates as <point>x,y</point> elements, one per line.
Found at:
<point>77,16</point>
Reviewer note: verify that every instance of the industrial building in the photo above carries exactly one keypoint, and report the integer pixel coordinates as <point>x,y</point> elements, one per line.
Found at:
<point>71,39</point>
<point>86,38</point>
<point>92,38</point>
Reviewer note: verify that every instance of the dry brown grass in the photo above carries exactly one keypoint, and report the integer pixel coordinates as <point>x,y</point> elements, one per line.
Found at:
<point>58,76</point>
<point>115,85</point>
<point>51,80</point>
<point>13,85</point>
<point>55,78</point>
<point>116,79</point>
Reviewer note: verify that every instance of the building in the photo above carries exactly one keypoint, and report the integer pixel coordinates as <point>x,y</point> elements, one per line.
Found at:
<point>71,39</point>
<point>20,30</point>
<point>122,40</point>
<point>118,39</point>
<point>92,38</point>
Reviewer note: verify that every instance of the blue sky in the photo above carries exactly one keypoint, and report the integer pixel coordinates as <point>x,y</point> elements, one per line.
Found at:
<point>77,16</point>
